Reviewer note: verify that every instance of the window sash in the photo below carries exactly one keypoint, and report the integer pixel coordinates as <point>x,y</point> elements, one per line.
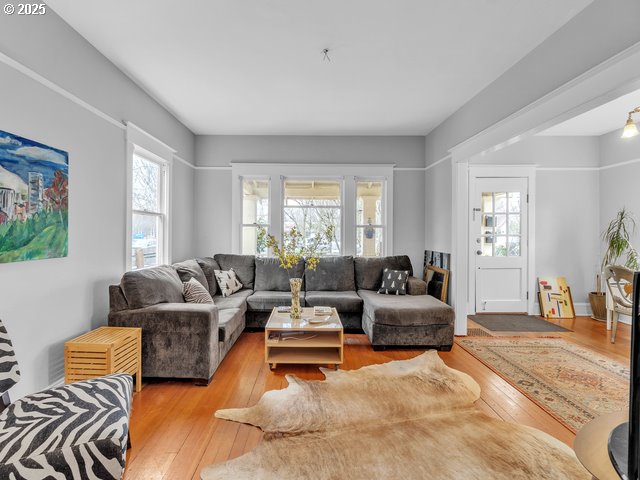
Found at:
<point>162,203</point>
<point>284,205</point>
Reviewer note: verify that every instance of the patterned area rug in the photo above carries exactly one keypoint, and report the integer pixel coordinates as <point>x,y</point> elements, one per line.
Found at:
<point>477,332</point>
<point>572,383</point>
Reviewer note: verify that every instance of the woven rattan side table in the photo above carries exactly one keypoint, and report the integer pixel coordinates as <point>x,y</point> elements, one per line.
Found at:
<point>103,351</point>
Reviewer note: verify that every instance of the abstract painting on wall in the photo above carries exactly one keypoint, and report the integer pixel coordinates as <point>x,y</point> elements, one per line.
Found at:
<point>34,200</point>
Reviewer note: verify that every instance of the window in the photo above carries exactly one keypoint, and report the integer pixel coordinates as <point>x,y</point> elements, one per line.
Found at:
<point>311,206</point>
<point>148,212</point>
<point>255,214</point>
<point>500,231</point>
<point>370,228</point>
<point>355,200</point>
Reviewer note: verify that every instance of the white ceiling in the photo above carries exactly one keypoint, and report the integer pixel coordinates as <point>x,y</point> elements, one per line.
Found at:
<point>256,67</point>
<point>603,119</point>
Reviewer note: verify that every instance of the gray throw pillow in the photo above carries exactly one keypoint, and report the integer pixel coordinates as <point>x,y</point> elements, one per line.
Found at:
<point>394,282</point>
<point>150,286</point>
<point>191,269</point>
<point>209,266</point>
<point>194,292</point>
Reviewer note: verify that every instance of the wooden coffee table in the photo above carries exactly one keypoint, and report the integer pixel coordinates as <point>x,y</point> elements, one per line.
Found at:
<point>288,341</point>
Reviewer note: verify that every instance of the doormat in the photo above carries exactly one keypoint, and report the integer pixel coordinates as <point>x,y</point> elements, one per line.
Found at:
<point>516,323</point>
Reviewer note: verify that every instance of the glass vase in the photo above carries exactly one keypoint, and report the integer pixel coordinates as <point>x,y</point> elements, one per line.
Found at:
<point>296,286</point>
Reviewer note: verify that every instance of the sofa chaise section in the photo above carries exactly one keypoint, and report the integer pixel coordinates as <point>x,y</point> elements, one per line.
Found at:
<point>407,320</point>
<point>415,319</point>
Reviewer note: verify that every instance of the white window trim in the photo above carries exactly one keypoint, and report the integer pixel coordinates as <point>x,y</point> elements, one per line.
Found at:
<point>277,172</point>
<point>145,145</point>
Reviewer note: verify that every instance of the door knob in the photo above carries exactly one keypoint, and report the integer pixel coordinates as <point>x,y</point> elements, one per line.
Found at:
<point>478,252</point>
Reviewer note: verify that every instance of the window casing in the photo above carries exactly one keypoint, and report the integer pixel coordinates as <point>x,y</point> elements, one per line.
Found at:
<point>149,210</point>
<point>345,188</point>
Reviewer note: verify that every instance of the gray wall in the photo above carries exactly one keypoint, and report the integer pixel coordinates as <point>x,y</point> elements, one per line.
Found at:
<point>601,30</point>
<point>552,152</point>
<point>567,211</point>
<point>620,184</point>
<point>438,207</point>
<point>213,187</point>
<point>614,149</point>
<point>44,303</point>
<point>567,230</point>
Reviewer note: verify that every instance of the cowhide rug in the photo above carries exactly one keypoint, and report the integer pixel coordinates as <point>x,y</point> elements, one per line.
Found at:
<point>410,419</point>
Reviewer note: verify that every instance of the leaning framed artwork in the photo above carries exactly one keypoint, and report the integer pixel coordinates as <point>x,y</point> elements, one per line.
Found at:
<point>34,200</point>
<point>554,298</point>
<point>437,282</point>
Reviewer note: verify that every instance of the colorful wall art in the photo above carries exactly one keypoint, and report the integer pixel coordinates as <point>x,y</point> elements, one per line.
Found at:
<point>34,200</point>
<point>555,298</point>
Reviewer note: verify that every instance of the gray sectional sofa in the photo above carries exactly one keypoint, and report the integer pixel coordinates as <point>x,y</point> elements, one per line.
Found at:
<point>184,340</point>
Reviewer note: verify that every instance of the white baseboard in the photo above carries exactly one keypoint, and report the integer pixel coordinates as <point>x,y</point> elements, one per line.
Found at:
<point>584,310</point>
<point>55,384</point>
<point>581,309</point>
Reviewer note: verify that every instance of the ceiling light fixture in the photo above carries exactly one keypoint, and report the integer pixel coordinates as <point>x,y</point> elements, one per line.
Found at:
<point>630,128</point>
<point>326,57</point>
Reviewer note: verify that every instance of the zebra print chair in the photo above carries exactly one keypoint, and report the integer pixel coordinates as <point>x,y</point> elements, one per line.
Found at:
<point>76,431</point>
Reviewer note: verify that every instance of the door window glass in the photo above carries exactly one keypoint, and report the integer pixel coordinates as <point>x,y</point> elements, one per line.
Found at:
<point>500,229</point>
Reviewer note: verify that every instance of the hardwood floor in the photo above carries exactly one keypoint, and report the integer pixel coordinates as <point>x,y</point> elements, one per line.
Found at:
<point>174,433</point>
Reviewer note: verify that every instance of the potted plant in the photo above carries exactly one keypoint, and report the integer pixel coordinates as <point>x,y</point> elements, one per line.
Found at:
<point>290,251</point>
<point>617,238</point>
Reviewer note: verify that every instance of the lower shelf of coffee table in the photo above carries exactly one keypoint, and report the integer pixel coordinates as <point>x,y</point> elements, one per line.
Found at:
<point>304,355</point>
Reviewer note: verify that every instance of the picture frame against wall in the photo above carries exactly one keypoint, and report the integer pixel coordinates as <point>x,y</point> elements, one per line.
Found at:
<point>437,282</point>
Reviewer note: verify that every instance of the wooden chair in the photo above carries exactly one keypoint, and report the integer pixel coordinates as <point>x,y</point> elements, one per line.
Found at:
<point>619,281</point>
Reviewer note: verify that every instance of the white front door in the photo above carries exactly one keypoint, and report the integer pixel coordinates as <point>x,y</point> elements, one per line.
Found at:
<point>498,242</point>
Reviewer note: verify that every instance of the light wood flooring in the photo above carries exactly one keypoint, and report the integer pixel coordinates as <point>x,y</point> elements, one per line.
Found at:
<point>174,433</point>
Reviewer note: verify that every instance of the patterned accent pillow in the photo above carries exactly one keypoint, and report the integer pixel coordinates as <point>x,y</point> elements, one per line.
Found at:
<point>227,281</point>
<point>394,282</point>
<point>194,292</point>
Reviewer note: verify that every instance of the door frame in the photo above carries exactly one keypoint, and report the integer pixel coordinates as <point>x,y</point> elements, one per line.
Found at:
<point>505,171</point>
<point>461,209</point>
